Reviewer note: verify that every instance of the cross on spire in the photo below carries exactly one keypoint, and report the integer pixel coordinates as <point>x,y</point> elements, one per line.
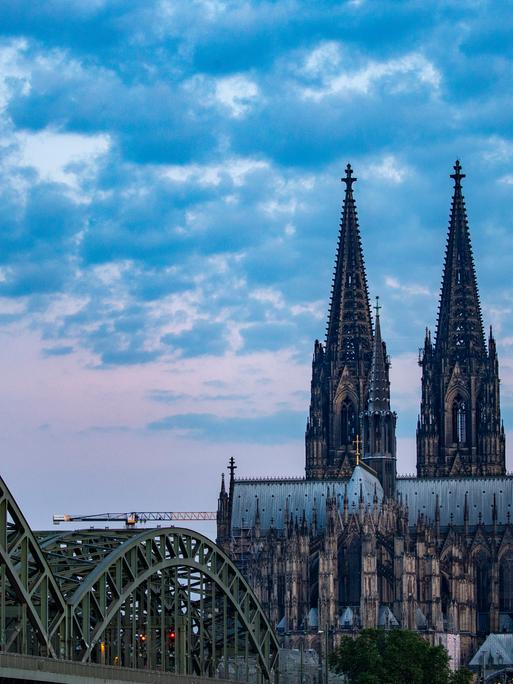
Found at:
<point>232,467</point>
<point>457,175</point>
<point>377,306</point>
<point>349,179</point>
<point>358,444</point>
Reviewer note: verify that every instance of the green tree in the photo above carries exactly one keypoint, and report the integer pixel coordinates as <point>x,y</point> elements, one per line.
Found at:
<point>392,657</point>
<point>462,676</point>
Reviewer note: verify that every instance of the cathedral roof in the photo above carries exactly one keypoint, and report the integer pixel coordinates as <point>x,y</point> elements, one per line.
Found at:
<point>275,497</point>
<point>497,650</point>
<point>422,495</point>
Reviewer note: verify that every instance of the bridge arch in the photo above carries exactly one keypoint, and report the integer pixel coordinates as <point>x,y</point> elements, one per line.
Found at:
<point>143,588</point>
<point>167,599</point>
<point>32,608</point>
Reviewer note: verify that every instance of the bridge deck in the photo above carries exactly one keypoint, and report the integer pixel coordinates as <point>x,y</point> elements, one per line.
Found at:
<point>18,668</point>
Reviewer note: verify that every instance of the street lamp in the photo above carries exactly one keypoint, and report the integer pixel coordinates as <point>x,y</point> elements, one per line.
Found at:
<point>325,632</point>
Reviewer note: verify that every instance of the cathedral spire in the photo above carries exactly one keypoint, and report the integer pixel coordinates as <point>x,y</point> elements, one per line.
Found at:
<point>459,332</point>
<point>459,431</point>
<point>349,330</point>
<point>340,370</point>
<point>379,443</point>
<point>379,391</point>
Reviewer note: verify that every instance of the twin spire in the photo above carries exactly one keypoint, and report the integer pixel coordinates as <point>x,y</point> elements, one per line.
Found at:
<point>349,330</point>
<point>459,330</point>
<point>350,383</point>
<point>350,341</point>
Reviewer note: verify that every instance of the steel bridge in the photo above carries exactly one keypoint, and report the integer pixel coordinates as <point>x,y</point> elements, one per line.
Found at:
<point>164,599</point>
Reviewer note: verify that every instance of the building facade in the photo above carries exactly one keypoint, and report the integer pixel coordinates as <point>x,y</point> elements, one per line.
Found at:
<point>352,545</point>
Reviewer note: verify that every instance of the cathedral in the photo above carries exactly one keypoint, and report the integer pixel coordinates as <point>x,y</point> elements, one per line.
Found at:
<point>352,545</point>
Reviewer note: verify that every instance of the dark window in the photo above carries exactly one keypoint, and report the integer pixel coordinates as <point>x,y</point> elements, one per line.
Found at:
<point>349,574</point>
<point>459,421</point>
<point>482,574</point>
<point>506,583</point>
<point>348,423</point>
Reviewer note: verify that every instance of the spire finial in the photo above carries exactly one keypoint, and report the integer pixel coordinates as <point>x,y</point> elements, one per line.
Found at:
<point>377,306</point>
<point>232,467</point>
<point>349,179</point>
<point>457,175</point>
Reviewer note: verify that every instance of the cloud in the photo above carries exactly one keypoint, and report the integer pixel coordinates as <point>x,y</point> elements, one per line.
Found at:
<point>58,157</point>
<point>387,169</point>
<point>410,289</point>
<point>169,206</point>
<point>62,350</point>
<point>410,71</point>
<point>283,426</point>
<point>203,338</point>
<point>237,93</point>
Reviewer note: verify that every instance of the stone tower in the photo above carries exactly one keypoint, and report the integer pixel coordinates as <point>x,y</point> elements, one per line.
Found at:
<point>340,368</point>
<point>459,431</point>
<point>379,443</point>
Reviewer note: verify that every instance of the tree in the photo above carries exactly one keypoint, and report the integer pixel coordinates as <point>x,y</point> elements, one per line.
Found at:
<point>462,676</point>
<point>393,657</point>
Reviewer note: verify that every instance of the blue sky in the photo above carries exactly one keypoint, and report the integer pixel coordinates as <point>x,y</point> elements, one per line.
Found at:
<point>169,206</point>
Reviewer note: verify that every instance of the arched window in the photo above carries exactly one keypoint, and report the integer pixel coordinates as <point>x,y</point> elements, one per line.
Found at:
<point>506,583</point>
<point>349,574</point>
<point>445,596</point>
<point>459,421</point>
<point>482,587</point>
<point>347,422</point>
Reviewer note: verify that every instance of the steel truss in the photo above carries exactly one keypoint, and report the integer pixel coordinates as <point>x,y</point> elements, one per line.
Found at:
<point>165,599</point>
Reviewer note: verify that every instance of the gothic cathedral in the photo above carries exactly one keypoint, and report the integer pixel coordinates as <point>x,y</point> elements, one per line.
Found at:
<point>352,545</point>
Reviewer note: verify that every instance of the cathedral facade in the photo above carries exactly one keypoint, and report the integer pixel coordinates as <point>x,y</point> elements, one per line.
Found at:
<point>352,545</point>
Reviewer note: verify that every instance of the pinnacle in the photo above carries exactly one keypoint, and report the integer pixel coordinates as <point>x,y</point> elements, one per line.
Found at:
<point>349,329</point>
<point>460,334</point>
<point>379,394</point>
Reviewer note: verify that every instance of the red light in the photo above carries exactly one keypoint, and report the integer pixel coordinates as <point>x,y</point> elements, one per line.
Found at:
<point>172,635</point>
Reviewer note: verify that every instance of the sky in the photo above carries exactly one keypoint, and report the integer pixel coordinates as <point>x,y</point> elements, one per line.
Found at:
<point>170,201</point>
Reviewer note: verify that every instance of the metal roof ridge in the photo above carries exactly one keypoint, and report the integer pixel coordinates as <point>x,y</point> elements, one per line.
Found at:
<point>285,480</point>
<point>449,478</point>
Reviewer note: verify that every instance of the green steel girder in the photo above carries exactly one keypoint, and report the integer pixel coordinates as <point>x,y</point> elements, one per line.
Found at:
<point>32,608</point>
<point>115,596</point>
<point>73,555</point>
<point>102,594</point>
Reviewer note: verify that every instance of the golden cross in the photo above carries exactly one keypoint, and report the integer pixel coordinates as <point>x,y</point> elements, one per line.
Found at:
<point>358,444</point>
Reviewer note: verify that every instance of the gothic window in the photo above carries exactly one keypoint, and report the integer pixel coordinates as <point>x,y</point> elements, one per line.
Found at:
<point>349,574</point>
<point>459,421</point>
<point>314,581</point>
<point>347,422</point>
<point>445,595</point>
<point>349,347</point>
<point>482,575</point>
<point>506,583</point>
<point>377,437</point>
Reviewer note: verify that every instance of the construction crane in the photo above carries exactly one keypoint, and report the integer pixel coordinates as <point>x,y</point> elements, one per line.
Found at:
<point>133,518</point>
